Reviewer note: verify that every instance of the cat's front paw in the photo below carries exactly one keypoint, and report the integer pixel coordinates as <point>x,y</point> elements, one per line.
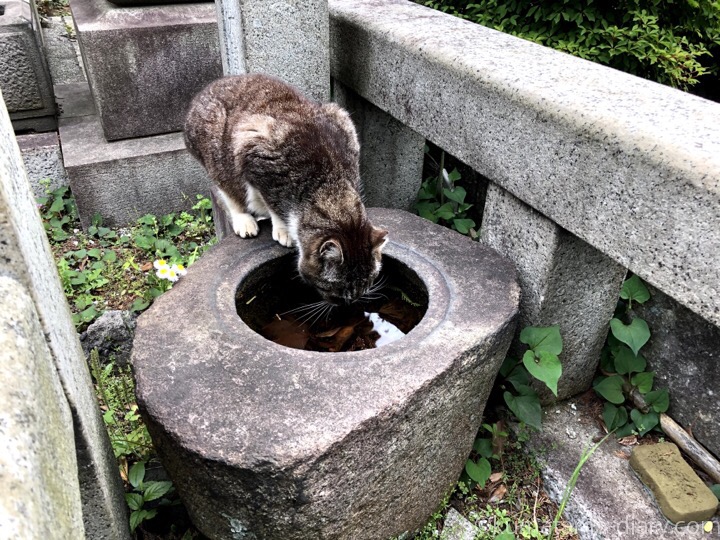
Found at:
<point>245,225</point>
<point>282,236</point>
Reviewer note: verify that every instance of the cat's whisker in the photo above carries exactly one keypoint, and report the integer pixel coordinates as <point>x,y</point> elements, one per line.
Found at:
<point>316,311</point>
<point>303,308</point>
<point>320,313</point>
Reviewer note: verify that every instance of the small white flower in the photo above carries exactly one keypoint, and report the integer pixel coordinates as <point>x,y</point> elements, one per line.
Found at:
<point>163,272</point>
<point>172,275</point>
<point>161,263</point>
<point>179,269</point>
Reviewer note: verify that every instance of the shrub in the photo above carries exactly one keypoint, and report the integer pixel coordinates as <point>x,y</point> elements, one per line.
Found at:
<point>671,42</point>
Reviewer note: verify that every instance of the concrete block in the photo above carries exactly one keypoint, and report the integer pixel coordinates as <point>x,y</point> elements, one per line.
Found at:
<point>285,39</point>
<point>625,164</point>
<point>145,64</point>
<point>609,502</point>
<point>564,281</point>
<point>24,76</point>
<point>26,257</point>
<point>360,445</point>
<point>684,353</point>
<point>39,497</point>
<point>124,180</point>
<point>391,154</point>
<point>679,492</point>
<point>43,161</point>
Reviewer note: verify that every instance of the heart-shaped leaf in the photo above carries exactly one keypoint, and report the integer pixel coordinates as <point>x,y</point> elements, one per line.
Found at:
<point>542,339</point>
<point>643,381</point>
<point>518,376</point>
<point>628,362</point>
<point>611,389</point>
<point>634,335</point>
<point>463,226</point>
<point>634,290</point>
<point>544,366</point>
<point>614,417</point>
<point>480,471</point>
<point>458,194</point>
<point>644,422</point>
<point>659,400</point>
<point>483,447</point>
<point>526,408</point>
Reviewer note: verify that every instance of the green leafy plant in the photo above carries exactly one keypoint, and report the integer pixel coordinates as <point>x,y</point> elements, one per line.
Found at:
<point>540,361</point>
<point>670,42</point>
<point>442,201</point>
<point>624,369</point>
<point>479,470</point>
<point>115,390</point>
<point>103,267</point>
<point>144,492</point>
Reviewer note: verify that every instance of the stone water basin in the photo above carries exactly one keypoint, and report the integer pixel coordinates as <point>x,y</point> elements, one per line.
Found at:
<point>269,442</point>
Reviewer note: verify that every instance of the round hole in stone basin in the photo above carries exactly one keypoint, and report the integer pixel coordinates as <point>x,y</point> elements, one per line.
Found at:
<point>277,304</point>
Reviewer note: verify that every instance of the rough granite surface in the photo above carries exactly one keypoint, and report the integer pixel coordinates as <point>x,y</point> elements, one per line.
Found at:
<point>145,64</point>
<point>25,256</point>
<point>38,465</point>
<point>684,353</point>
<point>43,162</point>
<point>281,443</point>
<point>627,165</point>
<point>112,335</point>
<point>564,281</point>
<point>609,502</point>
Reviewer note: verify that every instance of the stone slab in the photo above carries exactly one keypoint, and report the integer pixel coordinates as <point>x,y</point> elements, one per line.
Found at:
<point>684,353</point>
<point>285,39</point>
<point>609,502</point>
<point>680,493</point>
<point>391,154</point>
<point>457,527</point>
<point>145,64</point>
<point>564,281</point>
<point>43,162</point>
<point>39,497</point>
<point>24,76</point>
<point>124,180</point>
<point>25,256</point>
<point>629,166</point>
<point>281,443</point>
<point>60,50</point>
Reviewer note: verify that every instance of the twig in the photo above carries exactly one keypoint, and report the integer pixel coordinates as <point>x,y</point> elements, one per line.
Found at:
<point>679,436</point>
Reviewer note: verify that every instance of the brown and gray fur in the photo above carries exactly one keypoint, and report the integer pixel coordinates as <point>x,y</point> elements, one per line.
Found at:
<point>272,152</point>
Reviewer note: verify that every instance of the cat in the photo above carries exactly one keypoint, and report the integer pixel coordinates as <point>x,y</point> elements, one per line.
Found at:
<point>274,153</point>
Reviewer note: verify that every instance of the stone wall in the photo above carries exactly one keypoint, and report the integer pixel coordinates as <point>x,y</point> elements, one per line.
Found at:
<point>67,473</point>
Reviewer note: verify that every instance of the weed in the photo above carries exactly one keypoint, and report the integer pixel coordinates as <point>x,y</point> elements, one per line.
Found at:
<point>103,268</point>
<point>143,492</point>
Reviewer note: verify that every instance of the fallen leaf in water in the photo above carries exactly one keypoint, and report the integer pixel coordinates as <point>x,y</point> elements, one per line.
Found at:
<point>286,332</point>
<point>339,339</point>
<point>401,314</point>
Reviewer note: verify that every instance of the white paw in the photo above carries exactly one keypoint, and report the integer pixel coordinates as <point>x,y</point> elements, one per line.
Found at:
<point>245,225</point>
<point>282,236</point>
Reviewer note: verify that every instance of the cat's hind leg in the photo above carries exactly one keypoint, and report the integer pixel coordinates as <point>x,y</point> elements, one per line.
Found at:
<point>243,223</point>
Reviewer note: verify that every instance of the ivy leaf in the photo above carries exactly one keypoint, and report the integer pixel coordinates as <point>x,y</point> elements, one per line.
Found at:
<point>508,366</point>
<point>155,490</point>
<point>643,381</point>
<point>544,366</point>
<point>634,335</point>
<point>625,430</point>
<point>137,474</point>
<point>480,471</point>
<point>659,400</point>
<point>134,501</point>
<point>483,447</point>
<point>519,376</point>
<point>445,211</point>
<point>542,339</point>
<point>644,422</point>
<point>634,290</point>
<point>526,408</point>
<point>463,226</point>
<point>611,389</point>
<point>627,362</point>
<point>614,417</point>
<point>457,195</point>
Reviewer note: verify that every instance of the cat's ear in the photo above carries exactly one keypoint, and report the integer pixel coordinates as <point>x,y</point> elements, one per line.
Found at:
<point>378,238</point>
<point>331,251</point>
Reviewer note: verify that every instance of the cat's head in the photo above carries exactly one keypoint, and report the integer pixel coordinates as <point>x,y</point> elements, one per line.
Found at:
<point>344,263</point>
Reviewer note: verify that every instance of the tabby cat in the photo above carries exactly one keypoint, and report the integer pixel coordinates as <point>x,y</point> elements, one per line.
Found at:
<point>274,153</point>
